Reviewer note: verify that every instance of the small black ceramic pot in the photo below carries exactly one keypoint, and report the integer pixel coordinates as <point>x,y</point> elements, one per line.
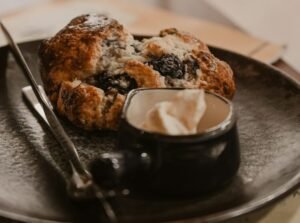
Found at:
<point>176,165</point>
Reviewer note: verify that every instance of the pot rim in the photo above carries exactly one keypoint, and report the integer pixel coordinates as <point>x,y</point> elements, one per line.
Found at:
<point>213,132</point>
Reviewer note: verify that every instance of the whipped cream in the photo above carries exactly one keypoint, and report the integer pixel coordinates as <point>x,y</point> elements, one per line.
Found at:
<point>180,115</point>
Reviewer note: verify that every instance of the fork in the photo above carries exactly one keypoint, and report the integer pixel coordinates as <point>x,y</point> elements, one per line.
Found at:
<point>80,184</point>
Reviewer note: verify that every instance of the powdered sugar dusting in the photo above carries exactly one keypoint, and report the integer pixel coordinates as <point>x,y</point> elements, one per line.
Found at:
<point>96,20</point>
<point>92,21</point>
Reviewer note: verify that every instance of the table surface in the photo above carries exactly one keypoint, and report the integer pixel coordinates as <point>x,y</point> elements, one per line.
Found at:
<point>285,211</point>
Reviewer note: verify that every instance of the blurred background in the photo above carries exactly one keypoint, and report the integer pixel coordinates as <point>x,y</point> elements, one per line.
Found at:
<point>265,30</point>
<point>197,8</point>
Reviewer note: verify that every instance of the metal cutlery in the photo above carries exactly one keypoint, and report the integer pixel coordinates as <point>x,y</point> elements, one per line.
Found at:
<point>80,184</point>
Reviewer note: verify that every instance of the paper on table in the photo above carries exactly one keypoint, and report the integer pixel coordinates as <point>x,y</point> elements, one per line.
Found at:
<point>9,6</point>
<point>274,20</point>
<point>36,25</point>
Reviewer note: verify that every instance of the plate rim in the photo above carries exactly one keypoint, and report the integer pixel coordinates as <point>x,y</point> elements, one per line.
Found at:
<point>249,207</point>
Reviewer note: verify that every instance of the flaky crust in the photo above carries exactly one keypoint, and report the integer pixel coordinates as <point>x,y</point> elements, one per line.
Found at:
<point>93,47</point>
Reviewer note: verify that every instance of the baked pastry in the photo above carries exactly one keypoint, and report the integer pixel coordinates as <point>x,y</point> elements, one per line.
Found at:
<point>91,64</point>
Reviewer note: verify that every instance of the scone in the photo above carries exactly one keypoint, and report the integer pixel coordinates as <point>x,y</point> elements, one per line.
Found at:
<point>91,64</point>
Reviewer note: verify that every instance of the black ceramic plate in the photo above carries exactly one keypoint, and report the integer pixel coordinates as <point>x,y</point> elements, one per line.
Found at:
<point>32,168</point>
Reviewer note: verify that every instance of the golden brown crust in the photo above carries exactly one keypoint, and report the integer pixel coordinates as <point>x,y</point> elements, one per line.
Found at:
<point>144,75</point>
<point>76,48</point>
<point>185,37</point>
<point>82,104</point>
<point>113,113</point>
<point>216,76</point>
<point>74,52</point>
<point>89,66</point>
